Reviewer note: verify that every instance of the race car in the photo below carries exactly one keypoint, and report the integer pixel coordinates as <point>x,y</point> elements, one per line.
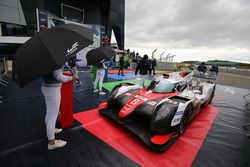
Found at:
<point>161,112</point>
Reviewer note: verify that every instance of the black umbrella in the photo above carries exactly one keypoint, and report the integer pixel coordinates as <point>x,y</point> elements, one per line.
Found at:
<point>99,55</point>
<point>48,51</point>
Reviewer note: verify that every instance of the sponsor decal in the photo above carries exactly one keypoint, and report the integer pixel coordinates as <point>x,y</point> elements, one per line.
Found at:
<point>72,49</point>
<point>179,113</point>
<point>135,101</point>
<point>172,102</point>
<point>152,103</point>
<point>177,118</point>
<point>126,108</point>
<point>141,97</point>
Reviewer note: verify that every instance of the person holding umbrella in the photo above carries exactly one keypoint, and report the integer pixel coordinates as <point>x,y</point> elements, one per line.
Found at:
<point>41,56</point>
<point>51,90</point>
<point>102,58</point>
<point>100,72</point>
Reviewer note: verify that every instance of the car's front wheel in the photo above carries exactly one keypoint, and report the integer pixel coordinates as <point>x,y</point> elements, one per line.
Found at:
<point>185,120</point>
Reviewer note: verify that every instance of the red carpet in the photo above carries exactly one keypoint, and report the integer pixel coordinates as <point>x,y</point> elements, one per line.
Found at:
<point>181,153</point>
<point>124,71</point>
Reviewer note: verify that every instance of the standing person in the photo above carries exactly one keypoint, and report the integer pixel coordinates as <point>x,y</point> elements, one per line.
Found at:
<point>93,72</point>
<point>108,65</point>
<point>143,66</point>
<point>153,65</point>
<point>202,69</point>
<point>150,66</point>
<point>214,71</point>
<point>51,90</point>
<point>121,65</point>
<point>128,52</point>
<point>100,72</point>
<point>136,57</point>
<point>106,40</point>
<point>214,68</point>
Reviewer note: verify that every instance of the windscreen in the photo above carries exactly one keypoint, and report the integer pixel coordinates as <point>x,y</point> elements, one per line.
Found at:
<point>162,86</point>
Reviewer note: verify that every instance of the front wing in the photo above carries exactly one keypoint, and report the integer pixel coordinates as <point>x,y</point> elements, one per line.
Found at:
<point>139,128</point>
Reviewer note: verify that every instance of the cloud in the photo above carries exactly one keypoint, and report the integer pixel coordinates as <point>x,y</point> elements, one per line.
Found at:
<point>219,25</point>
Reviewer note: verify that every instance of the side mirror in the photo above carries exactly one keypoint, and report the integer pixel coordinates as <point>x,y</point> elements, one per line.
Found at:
<point>175,89</point>
<point>178,88</point>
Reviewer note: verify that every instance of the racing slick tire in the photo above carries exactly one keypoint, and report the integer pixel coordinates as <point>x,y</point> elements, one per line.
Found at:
<point>185,120</point>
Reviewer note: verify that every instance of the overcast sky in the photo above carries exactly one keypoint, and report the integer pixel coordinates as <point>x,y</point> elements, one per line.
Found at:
<point>189,29</point>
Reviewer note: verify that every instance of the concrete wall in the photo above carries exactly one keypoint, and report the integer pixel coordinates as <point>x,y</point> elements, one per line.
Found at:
<point>167,66</point>
<point>160,66</point>
<point>235,71</point>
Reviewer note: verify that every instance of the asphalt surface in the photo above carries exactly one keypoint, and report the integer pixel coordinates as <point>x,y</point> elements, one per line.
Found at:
<point>234,80</point>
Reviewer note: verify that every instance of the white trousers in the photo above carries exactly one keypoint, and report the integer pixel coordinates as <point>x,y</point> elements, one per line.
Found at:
<point>99,78</point>
<point>143,78</point>
<point>52,97</point>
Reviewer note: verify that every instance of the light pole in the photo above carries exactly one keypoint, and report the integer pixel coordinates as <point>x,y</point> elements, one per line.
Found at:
<point>172,57</point>
<point>153,53</point>
<point>161,55</point>
<point>167,57</point>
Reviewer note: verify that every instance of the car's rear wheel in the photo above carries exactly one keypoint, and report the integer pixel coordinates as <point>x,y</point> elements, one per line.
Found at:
<point>185,120</point>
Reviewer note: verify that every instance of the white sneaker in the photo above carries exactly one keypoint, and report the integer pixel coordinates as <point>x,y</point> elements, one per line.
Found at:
<point>58,130</point>
<point>79,83</point>
<point>95,90</point>
<point>57,144</point>
<point>102,93</point>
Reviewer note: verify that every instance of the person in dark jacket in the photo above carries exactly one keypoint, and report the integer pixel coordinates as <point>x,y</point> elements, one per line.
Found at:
<point>202,69</point>
<point>144,67</point>
<point>121,65</point>
<point>214,70</point>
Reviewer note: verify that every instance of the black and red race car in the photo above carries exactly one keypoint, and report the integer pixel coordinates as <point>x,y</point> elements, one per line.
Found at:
<point>161,112</point>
